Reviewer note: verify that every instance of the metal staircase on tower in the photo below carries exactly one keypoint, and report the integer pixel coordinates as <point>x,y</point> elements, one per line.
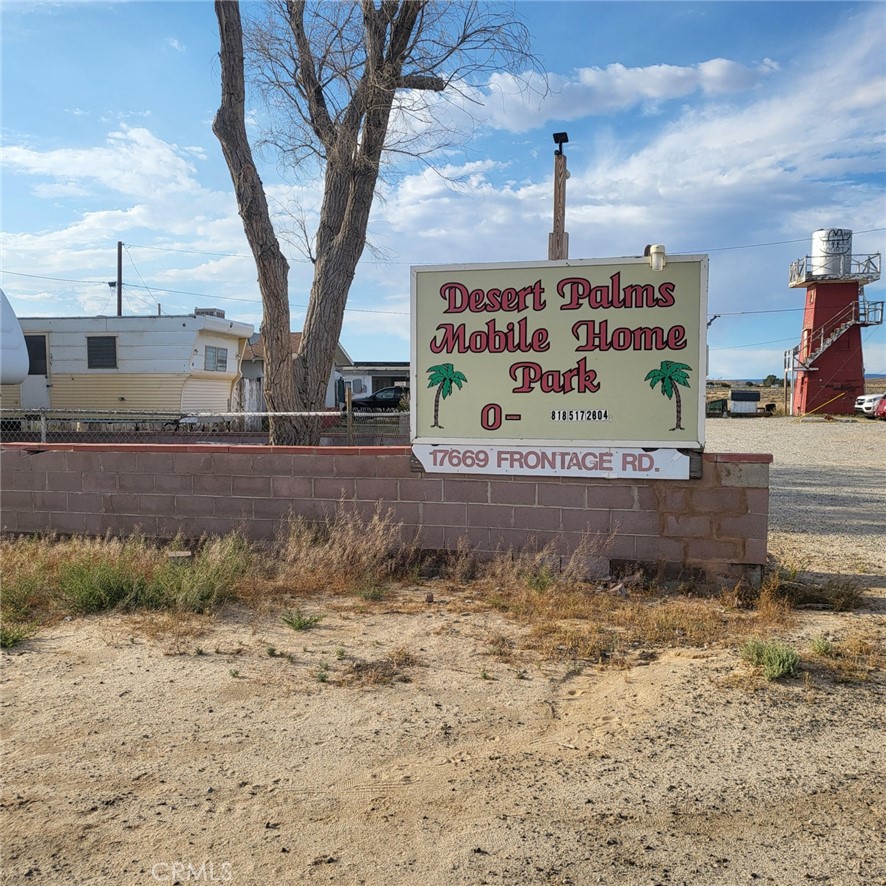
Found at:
<point>859,313</point>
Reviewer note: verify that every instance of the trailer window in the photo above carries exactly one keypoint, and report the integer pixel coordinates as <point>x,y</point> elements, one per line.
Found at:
<point>216,359</point>
<point>36,345</point>
<point>101,352</point>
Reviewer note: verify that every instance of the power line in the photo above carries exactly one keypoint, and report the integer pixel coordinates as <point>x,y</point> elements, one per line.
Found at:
<point>253,301</point>
<point>768,311</point>
<point>59,279</point>
<point>754,344</point>
<point>152,289</point>
<point>773,243</point>
<point>372,262</point>
<point>137,271</point>
<point>192,251</point>
<point>773,342</point>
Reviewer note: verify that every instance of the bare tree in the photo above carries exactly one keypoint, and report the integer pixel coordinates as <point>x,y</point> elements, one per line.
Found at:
<point>348,84</point>
<point>229,127</point>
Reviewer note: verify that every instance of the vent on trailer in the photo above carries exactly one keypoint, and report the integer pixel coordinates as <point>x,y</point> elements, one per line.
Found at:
<point>209,312</point>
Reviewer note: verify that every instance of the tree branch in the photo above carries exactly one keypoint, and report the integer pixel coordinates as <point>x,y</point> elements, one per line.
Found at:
<point>307,76</point>
<point>419,81</point>
<point>229,127</point>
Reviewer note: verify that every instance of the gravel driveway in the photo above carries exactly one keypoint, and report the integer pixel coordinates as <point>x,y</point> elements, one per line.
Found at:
<point>827,509</point>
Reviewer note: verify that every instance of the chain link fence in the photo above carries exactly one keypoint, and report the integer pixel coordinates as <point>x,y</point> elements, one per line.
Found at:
<point>228,428</point>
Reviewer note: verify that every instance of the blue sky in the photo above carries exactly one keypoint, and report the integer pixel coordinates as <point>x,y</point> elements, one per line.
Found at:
<point>730,128</point>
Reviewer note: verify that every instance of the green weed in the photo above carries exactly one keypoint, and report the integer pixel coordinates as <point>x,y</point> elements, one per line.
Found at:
<point>12,633</point>
<point>298,621</point>
<point>776,659</point>
<point>822,646</point>
<point>373,593</point>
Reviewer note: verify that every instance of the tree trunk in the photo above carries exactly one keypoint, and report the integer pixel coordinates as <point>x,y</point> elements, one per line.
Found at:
<point>354,148</point>
<point>273,270</point>
<point>679,407</point>
<point>436,423</point>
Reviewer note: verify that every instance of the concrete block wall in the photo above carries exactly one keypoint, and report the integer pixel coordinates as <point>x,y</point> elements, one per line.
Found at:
<point>717,524</point>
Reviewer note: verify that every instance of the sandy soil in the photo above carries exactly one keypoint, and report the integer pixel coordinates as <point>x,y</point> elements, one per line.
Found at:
<point>141,752</point>
<point>124,755</point>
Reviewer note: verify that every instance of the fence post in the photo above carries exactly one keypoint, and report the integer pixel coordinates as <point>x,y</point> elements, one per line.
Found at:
<point>349,420</point>
<point>42,425</point>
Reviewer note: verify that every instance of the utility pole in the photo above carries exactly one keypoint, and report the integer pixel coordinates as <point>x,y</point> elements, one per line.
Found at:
<point>119,278</point>
<point>558,240</point>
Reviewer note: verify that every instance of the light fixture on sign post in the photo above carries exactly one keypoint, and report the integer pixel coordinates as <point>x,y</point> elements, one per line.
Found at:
<point>657,256</point>
<point>558,240</point>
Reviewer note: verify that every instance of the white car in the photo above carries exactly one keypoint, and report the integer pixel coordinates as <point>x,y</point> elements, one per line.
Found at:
<point>867,403</point>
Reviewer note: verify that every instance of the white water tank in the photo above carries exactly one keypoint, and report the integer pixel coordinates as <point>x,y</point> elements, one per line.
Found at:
<point>831,252</point>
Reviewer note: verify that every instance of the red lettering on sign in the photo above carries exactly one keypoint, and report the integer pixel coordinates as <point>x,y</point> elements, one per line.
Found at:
<point>492,339</point>
<point>595,336</point>
<point>459,299</point>
<point>530,376</point>
<point>579,292</point>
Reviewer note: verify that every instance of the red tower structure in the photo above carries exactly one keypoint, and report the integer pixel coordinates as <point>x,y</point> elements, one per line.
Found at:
<point>826,370</point>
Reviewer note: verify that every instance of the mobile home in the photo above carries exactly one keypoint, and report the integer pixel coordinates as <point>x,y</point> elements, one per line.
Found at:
<point>188,363</point>
<point>253,370</point>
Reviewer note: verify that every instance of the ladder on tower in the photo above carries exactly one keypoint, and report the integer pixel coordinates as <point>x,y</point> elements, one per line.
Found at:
<point>859,313</point>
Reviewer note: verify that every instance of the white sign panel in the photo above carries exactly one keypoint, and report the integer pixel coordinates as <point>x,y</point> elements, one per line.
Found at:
<point>552,461</point>
<point>589,353</point>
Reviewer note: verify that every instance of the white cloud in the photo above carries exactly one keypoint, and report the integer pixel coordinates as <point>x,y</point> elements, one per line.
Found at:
<point>755,164</point>
<point>134,162</point>
<point>60,189</point>
<point>597,91</point>
<point>747,363</point>
<point>38,297</point>
<point>175,44</point>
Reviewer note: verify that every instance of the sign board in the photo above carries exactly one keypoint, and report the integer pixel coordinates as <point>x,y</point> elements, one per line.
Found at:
<point>564,461</point>
<point>589,354</point>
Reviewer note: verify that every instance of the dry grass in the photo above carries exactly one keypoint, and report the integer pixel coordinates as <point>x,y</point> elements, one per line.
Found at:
<point>545,568</point>
<point>850,660</point>
<point>45,579</point>
<point>174,631</point>
<point>384,671</point>
<point>786,587</point>
<point>501,646</point>
<point>345,553</point>
<point>572,610</point>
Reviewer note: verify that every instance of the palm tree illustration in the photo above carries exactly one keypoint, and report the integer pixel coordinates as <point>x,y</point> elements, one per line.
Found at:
<point>670,375</point>
<point>444,377</point>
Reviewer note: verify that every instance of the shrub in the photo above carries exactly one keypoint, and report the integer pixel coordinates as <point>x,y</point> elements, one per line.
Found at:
<point>785,586</point>
<point>776,659</point>
<point>94,587</point>
<point>349,551</point>
<point>207,579</point>
<point>12,633</point>
<point>822,646</point>
<point>298,621</point>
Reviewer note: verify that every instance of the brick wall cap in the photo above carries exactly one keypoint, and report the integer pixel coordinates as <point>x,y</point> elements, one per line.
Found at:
<point>208,448</point>
<point>759,458</point>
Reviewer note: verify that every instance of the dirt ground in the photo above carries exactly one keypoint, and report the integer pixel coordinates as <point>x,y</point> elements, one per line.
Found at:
<point>416,742</point>
<point>125,755</point>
